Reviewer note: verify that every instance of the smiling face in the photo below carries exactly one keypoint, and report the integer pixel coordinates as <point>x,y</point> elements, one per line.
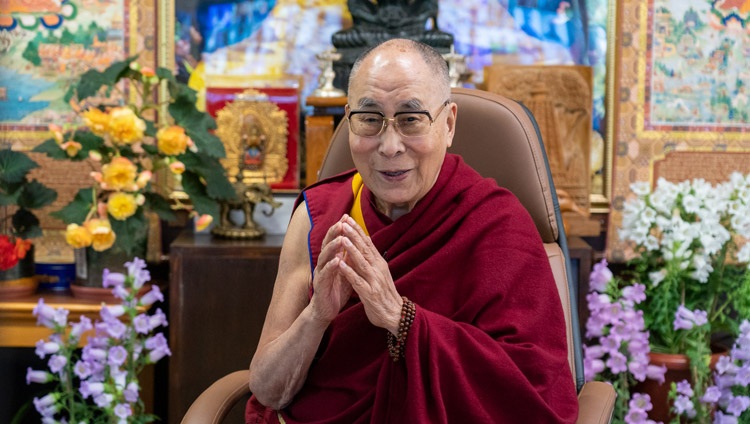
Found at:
<point>400,170</point>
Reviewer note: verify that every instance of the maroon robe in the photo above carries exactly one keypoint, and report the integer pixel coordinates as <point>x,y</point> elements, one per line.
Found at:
<point>488,342</point>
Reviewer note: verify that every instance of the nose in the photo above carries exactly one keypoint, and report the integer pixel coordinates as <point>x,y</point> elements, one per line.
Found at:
<point>390,141</point>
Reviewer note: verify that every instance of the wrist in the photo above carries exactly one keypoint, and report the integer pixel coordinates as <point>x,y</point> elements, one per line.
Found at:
<point>397,342</point>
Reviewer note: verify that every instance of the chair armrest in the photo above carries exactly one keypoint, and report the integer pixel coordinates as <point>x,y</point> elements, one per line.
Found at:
<point>596,403</point>
<point>213,405</point>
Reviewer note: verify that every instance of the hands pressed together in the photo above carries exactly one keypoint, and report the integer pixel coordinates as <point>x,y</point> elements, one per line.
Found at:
<point>349,261</point>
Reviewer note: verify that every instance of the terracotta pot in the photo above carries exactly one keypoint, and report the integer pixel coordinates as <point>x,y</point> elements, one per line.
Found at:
<point>678,369</point>
<point>20,280</point>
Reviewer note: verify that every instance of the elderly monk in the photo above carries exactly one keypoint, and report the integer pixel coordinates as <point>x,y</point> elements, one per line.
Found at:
<point>410,289</point>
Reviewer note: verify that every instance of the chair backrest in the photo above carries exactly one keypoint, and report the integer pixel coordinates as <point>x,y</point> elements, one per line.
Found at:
<point>499,138</point>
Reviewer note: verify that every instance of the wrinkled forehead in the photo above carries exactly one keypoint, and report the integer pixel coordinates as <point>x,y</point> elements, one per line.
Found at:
<point>366,102</point>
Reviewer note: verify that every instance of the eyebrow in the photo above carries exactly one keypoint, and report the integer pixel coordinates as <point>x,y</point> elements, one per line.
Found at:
<point>411,104</point>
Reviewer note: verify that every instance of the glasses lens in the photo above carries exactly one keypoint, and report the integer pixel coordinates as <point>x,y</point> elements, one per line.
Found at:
<point>413,124</point>
<point>366,124</point>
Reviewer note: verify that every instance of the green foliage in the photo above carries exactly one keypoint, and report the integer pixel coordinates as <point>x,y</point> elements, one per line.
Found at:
<point>204,179</point>
<point>17,190</point>
<point>131,233</point>
<point>77,210</point>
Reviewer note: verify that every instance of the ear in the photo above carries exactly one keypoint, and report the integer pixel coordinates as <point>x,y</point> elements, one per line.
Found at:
<point>451,123</point>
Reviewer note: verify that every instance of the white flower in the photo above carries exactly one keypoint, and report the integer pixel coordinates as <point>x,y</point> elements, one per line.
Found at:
<point>657,277</point>
<point>702,267</point>
<point>641,188</point>
<point>691,203</point>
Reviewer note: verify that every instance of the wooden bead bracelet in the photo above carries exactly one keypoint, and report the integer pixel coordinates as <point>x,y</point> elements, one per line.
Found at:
<point>397,344</point>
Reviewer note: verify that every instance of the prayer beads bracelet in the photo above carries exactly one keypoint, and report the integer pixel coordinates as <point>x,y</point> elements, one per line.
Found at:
<point>397,344</point>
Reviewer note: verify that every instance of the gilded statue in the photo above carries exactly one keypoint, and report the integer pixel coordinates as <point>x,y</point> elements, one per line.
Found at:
<point>247,197</point>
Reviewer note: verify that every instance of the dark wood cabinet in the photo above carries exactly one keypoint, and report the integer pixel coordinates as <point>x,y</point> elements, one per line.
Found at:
<point>218,296</point>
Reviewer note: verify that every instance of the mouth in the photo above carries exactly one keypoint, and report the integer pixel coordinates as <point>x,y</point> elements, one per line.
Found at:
<point>394,174</point>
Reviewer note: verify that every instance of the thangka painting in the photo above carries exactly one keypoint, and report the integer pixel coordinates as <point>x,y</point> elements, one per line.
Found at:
<point>681,95</point>
<point>45,45</point>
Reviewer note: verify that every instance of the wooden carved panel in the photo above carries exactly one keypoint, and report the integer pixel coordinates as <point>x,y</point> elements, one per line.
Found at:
<point>560,97</point>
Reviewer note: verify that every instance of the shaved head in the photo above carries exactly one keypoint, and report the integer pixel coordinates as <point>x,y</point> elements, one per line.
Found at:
<point>431,57</point>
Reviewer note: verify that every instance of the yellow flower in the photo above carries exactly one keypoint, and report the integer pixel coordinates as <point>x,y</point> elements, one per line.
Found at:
<point>203,222</point>
<point>119,174</point>
<point>71,147</point>
<point>57,132</point>
<point>172,140</point>
<point>121,205</point>
<point>96,120</point>
<point>177,167</point>
<point>125,126</point>
<point>102,235</point>
<point>143,178</point>
<point>77,236</point>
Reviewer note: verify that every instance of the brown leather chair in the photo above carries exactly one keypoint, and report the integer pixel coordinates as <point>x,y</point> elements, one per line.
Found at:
<point>499,138</point>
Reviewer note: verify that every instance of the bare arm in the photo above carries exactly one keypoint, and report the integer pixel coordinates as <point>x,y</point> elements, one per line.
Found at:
<point>294,326</point>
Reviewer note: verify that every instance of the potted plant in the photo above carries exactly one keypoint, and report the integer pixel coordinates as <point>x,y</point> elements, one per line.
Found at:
<point>100,383</point>
<point>140,152</point>
<point>18,224</point>
<point>690,261</point>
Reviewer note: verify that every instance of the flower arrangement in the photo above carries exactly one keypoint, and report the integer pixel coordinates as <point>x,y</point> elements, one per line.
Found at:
<point>618,351</point>
<point>692,254</point>
<point>99,383</point>
<point>129,149</point>
<point>691,263</point>
<point>21,194</point>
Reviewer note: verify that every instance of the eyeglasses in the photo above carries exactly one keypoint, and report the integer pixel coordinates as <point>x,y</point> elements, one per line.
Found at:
<point>365,123</point>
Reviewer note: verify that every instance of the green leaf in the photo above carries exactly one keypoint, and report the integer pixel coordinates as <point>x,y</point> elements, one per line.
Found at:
<point>211,170</point>
<point>50,148</point>
<point>132,233</point>
<point>89,141</point>
<point>9,193</point>
<point>160,205</point>
<point>36,195</point>
<point>166,74</point>
<point>197,126</point>
<point>202,203</point>
<point>92,80</point>
<point>78,209</point>
<point>14,166</point>
<point>26,224</point>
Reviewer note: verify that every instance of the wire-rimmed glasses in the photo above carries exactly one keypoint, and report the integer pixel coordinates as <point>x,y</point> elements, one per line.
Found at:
<point>367,123</point>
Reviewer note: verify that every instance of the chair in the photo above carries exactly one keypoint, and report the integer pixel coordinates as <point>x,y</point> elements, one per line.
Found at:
<point>510,150</point>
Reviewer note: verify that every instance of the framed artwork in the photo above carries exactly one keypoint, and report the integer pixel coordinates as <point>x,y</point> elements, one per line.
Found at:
<point>47,45</point>
<point>258,122</point>
<point>680,103</point>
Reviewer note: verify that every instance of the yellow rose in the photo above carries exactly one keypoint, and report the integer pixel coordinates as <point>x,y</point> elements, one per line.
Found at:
<point>97,121</point>
<point>119,174</point>
<point>102,235</point>
<point>77,236</point>
<point>172,140</point>
<point>121,205</point>
<point>125,126</point>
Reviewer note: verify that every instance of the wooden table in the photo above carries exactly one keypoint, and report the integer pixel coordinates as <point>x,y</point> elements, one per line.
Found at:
<point>18,326</point>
